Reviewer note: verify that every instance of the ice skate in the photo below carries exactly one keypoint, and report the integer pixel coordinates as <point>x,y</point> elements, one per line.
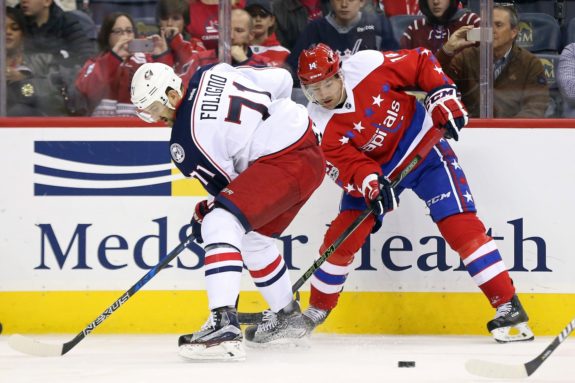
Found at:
<point>510,323</point>
<point>313,317</point>
<point>286,327</point>
<point>219,339</point>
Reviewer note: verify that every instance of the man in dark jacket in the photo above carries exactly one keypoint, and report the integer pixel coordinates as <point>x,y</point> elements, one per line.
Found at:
<point>520,87</point>
<point>51,30</point>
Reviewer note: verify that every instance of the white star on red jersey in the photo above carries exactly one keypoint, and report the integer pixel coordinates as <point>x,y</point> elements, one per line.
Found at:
<point>438,69</point>
<point>468,197</point>
<point>358,127</point>
<point>377,100</point>
<point>425,51</point>
<point>344,140</point>
<point>349,188</point>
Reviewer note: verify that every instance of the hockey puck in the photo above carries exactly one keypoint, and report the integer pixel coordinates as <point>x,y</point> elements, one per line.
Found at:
<point>0,328</point>
<point>406,363</point>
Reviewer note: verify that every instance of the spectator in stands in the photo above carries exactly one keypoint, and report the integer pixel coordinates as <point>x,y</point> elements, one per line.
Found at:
<point>203,22</point>
<point>51,30</point>
<point>292,17</point>
<point>242,34</point>
<point>264,40</point>
<point>183,54</point>
<point>105,79</point>
<point>566,79</point>
<point>398,7</point>
<point>442,18</point>
<point>346,30</point>
<point>520,86</point>
<point>30,91</point>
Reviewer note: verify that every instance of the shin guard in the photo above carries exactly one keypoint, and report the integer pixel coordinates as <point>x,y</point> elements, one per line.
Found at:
<point>466,235</point>
<point>327,282</point>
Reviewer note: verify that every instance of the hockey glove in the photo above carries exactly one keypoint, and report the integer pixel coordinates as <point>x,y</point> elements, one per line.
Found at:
<point>446,110</point>
<point>201,210</point>
<point>379,194</point>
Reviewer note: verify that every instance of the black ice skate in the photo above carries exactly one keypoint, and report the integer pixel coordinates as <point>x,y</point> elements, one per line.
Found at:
<point>313,317</point>
<point>219,339</point>
<point>510,323</point>
<point>286,327</point>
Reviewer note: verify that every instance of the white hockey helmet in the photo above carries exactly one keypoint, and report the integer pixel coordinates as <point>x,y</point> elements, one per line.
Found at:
<point>149,86</point>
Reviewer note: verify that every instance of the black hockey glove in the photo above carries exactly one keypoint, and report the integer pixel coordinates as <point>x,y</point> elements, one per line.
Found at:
<point>201,210</point>
<point>379,194</point>
<point>446,110</point>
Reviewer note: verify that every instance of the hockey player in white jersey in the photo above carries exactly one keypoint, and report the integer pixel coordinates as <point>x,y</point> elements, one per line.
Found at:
<point>253,149</point>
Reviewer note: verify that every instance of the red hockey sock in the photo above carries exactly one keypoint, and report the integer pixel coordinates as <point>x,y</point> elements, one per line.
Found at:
<point>466,235</point>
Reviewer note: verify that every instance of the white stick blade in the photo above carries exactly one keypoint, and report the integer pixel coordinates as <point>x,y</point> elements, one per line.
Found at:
<point>32,347</point>
<point>496,370</point>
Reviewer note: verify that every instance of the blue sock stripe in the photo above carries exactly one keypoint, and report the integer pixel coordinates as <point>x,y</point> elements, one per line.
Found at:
<point>274,279</point>
<point>484,262</point>
<point>330,279</point>
<point>216,270</point>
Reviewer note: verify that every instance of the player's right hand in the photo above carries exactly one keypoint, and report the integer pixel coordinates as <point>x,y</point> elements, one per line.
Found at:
<point>379,194</point>
<point>202,209</point>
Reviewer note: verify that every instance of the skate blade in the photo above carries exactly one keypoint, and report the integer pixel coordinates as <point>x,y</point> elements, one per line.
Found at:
<point>232,351</point>
<point>281,343</point>
<point>518,333</point>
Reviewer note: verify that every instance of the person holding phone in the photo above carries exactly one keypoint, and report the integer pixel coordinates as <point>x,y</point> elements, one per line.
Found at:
<point>183,52</point>
<point>105,79</point>
<point>442,19</point>
<point>520,87</point>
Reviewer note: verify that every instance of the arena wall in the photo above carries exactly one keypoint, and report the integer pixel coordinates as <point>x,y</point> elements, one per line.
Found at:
<point>87,206</point>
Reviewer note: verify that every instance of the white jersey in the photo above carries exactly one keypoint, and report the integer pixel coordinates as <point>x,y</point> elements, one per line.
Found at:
<point>229,118</point>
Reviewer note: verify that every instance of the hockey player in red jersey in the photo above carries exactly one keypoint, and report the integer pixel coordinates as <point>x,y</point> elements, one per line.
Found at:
<point>369,126</point>
<point>237,131</point>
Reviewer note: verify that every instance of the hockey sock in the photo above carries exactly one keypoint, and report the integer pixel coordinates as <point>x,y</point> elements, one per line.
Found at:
<point>273,282</point>
<point>327,282</point>
<point>223,271</point>
<point>223,265</point>
<point>466,235</point>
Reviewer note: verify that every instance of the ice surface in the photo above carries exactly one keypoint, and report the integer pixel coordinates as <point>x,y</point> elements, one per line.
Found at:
<point>329,358</point>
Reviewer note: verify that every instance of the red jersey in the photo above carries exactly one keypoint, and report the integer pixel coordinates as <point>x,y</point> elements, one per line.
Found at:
<point>378,124</point>
<point>204,22</point>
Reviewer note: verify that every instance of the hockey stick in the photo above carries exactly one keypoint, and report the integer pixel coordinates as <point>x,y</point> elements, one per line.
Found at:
<point>33,347</point>
<point>517,371</point>
<point>419,153</point>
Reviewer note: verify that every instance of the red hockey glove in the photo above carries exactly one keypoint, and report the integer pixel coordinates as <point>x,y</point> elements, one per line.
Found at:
<point>379,194</point>
<point>202,209</point>
<point>446,110</point>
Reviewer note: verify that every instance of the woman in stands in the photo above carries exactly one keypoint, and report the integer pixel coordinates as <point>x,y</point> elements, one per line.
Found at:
<point>30,91</point>
<point>105,79</point>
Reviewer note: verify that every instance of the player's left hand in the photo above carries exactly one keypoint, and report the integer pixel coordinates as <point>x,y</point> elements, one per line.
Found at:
<point>446,110</point>
<point>379,194</point>
<point>202,209</point>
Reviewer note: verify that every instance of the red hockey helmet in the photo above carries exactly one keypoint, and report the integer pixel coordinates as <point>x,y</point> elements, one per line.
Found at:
<point>317,64</point>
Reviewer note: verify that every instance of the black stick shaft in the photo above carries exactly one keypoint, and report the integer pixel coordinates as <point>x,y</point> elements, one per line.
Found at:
<point>127,295</point>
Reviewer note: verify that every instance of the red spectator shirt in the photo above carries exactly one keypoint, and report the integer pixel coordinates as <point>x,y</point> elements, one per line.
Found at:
<point>273,50</point>
<point>400,7</point>
<point>204,22</point>
<point>107,76</point>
